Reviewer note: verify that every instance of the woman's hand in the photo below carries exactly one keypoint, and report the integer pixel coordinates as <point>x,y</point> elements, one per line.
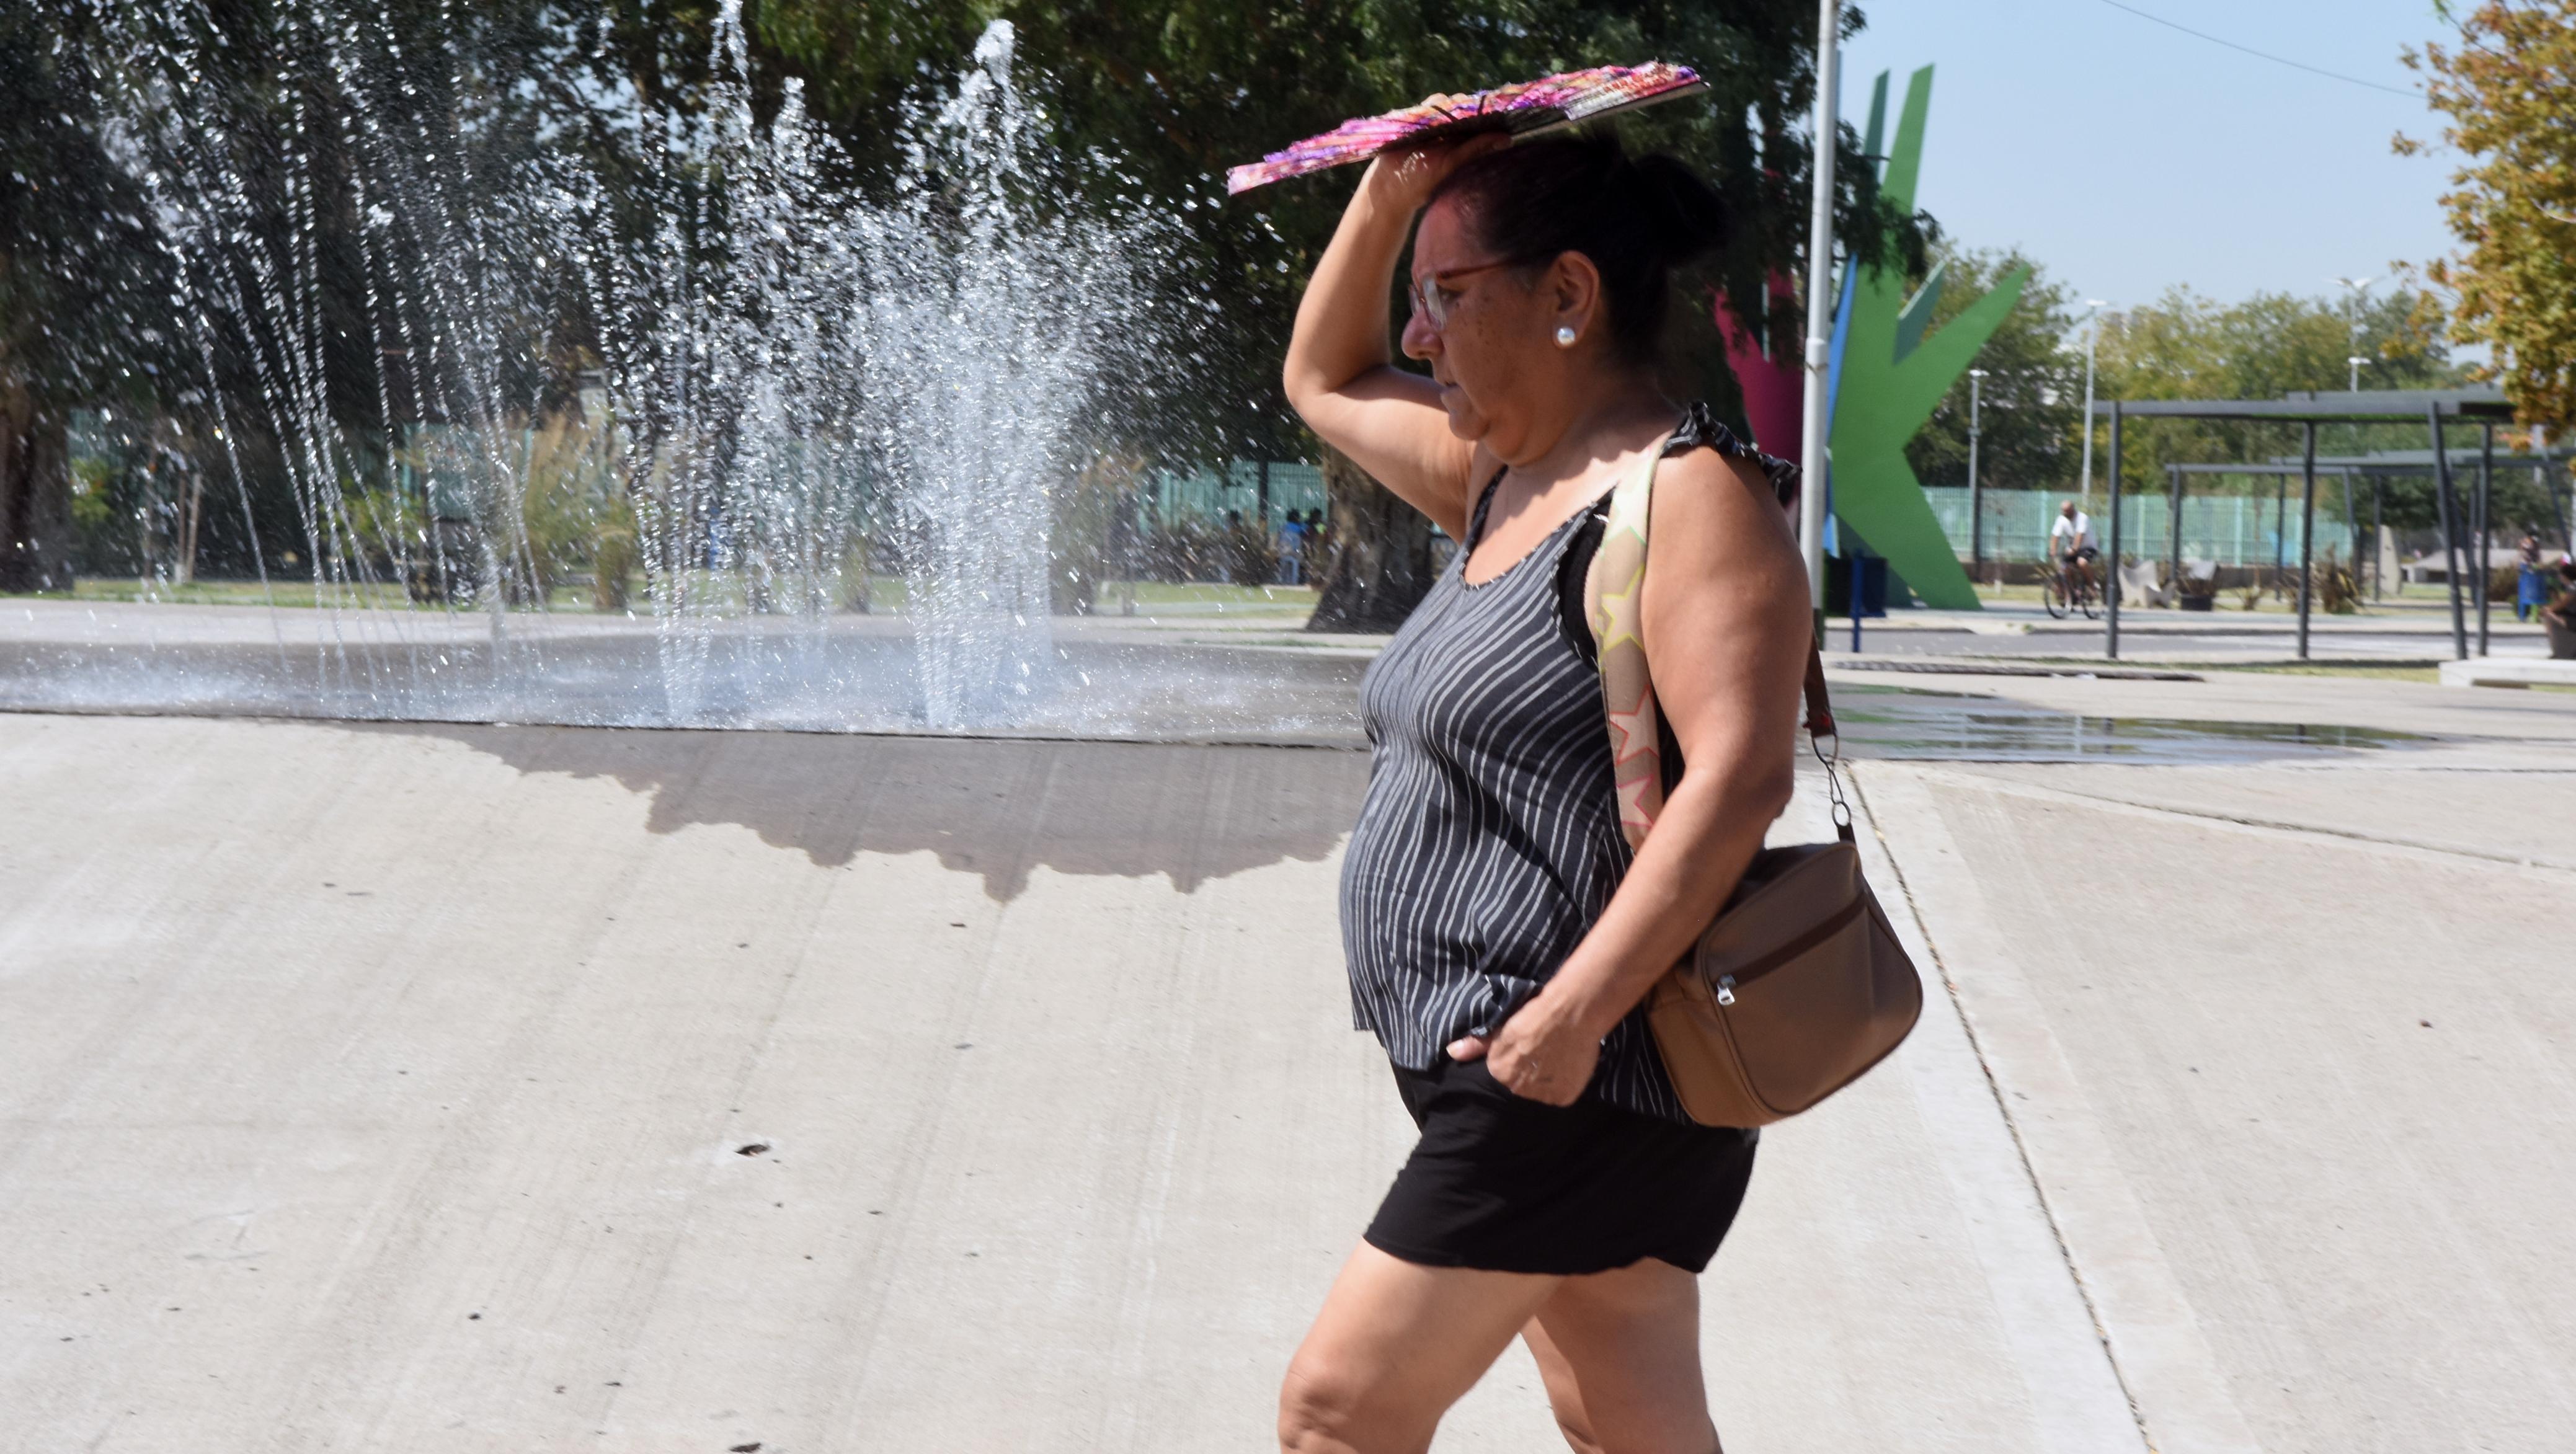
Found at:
<point>1540,1054</point>
<point>1403,179</point>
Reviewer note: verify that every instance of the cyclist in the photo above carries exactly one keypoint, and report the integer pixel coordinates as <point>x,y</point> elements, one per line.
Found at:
<point>2071,541</point>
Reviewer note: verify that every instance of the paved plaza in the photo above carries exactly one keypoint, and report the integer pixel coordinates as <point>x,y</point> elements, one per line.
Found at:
<point>415,1087</point>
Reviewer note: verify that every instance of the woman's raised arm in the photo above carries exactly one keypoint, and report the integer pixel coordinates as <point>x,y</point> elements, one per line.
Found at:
<point>1339,374</point>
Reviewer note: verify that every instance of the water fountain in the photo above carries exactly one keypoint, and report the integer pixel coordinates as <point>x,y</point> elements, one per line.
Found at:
<point>786,386</point>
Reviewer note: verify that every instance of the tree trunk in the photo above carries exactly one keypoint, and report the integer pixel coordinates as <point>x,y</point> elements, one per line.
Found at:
<point>1377,553</point>
<point>35,494</point>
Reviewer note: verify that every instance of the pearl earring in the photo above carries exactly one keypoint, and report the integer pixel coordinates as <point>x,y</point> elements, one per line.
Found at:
<point>1565,337</point>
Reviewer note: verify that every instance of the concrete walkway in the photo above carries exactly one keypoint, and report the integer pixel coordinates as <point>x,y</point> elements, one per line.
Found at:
<point>2288,1053</point>
<point>506,1088</point>
<point>489,1088</point>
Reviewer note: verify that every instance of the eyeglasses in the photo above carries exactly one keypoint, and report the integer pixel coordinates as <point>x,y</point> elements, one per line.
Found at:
<point>1431,293</point>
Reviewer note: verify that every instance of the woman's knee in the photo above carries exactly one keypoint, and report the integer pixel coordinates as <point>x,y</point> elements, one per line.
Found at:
<point>1323,1407</point>
<point>1578,1433</point>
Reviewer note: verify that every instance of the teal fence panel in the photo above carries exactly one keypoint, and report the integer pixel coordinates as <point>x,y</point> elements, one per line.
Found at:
<point>2230,529</point>
<point>1210,494</point>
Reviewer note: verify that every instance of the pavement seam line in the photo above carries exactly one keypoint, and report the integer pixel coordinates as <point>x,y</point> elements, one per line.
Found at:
<point>2003,1105</point>
<point>2047,793</point>
<point>2155,1329</point>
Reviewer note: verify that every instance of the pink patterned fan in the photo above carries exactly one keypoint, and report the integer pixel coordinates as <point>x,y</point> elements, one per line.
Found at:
<point>1520,108</point>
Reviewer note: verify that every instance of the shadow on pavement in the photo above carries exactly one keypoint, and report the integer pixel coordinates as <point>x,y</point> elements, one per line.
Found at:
<point>997,807</point>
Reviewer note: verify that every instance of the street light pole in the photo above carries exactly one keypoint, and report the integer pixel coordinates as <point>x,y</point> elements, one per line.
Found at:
<point>1976,498</point>
<point>2352,321</point>
<point>2092,336</point>
<point>1820,310</point>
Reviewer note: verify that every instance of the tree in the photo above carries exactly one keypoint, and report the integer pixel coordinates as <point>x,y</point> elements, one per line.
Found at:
<point>1378,563</point>
<point>1175,91</point>
<point>79,285</point>
<point>2508,90</point>
<point>2185,346</point>
<point>334,223</point>
<point>2033,392</point>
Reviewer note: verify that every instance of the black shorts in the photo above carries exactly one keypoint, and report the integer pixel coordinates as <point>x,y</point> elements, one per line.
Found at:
<point>2086,553</point>
<point>1506,1184</point>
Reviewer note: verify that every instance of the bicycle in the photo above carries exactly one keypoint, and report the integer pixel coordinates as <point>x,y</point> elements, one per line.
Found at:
<point>2065,591</point>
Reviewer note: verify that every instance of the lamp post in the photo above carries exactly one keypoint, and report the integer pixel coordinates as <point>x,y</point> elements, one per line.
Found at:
<point>2092,336</point>
<point>2360,288</point>
<point>1976,497</point>
<point>1820,306</point>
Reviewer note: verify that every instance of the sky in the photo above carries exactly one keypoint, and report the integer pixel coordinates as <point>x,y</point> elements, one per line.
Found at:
<point>2127,158</point>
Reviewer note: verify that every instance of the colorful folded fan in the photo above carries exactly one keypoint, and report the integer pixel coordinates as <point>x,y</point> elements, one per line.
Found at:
<point>1519,108</point>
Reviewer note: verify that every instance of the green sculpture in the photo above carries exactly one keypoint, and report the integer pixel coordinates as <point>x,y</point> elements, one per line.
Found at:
<point>1889,376</point>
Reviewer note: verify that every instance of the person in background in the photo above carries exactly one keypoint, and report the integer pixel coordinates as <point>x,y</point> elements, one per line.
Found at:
<point>2559,616</point>
<point>2071,541</point>
<point>2531,587</point>
<point>1292,550</point>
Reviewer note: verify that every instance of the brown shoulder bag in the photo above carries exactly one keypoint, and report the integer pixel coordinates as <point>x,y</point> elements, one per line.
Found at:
<point>1800,985</point>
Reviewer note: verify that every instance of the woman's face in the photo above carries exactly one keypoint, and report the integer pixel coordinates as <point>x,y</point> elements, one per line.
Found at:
<point>1495,347</point>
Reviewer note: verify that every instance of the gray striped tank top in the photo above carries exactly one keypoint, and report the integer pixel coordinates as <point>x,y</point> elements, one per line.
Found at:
<point>1489,841</point>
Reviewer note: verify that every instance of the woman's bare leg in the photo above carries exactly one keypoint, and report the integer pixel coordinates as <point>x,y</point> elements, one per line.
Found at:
<point>1619,1353</point>
<point>1394,1347</point>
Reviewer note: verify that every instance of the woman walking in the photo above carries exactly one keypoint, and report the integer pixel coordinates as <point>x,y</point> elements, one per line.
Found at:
<point>1500,939</point>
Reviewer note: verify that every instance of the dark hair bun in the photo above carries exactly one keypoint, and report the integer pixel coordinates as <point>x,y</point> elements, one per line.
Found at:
<point>1636,218</point>
<point>1677,207</point>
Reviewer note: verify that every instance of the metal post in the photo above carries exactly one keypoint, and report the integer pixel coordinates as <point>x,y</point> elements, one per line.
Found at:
<point>2173,530</point>
<point>1820,295</point>
<point>1976,499</point>
<point>2307,531</point>
<point>2450,530</point>
<point>2540,476</point>
<point>2280,526</point>
<point>1853,561</point>
<point>2092,337</point>
<point>2111,577</point>
<point>2351,528</point>
<point>2378,537</point>
<point>2486,547</point>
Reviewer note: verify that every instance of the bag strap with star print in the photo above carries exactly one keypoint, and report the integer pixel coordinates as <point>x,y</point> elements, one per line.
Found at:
<point>1613,589</point>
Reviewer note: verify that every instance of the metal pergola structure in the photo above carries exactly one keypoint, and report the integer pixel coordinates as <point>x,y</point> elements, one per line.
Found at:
<point>2438,410</point>
<point>2391,465</point>
<point>2394,464</point>
<point>2173,489</point>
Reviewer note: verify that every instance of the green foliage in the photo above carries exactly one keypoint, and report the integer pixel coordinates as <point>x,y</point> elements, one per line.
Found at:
<point>1175,91</point>
<point>2186,346</point>
<point>2034,390</point>
<point>1087,538</point>
<point>2507,93</point>
<point>94,512</point>
<point>2337,593</point>
<point>313,116</point>
<point>82,290</point>
<point>569,496</point>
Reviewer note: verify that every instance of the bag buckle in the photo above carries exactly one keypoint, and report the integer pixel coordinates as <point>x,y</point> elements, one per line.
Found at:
<point>1726,989</point>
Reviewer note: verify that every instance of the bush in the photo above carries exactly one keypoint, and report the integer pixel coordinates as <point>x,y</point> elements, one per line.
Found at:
<point>2338,594</point>
<point>1086,538</point>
